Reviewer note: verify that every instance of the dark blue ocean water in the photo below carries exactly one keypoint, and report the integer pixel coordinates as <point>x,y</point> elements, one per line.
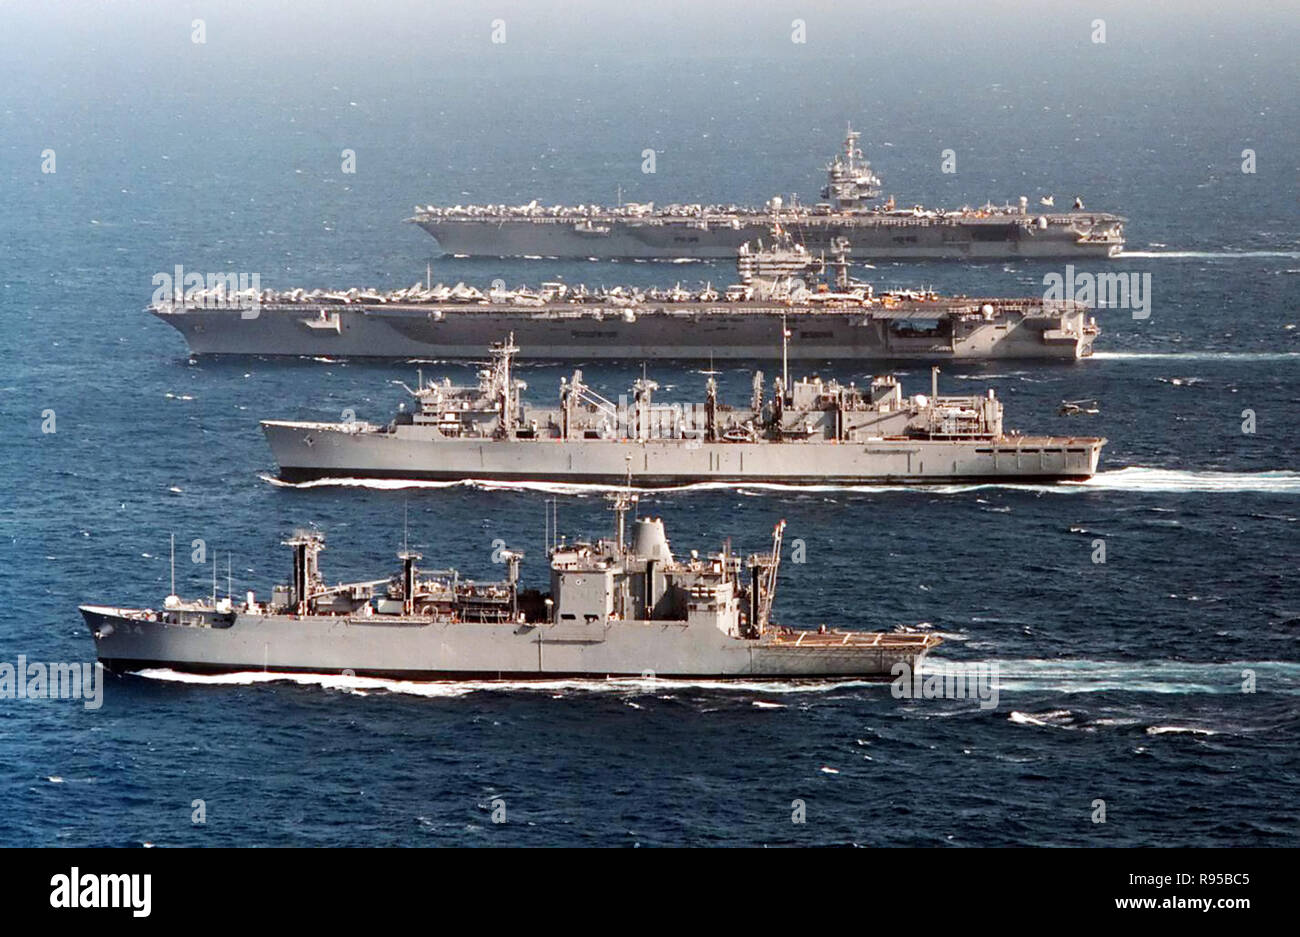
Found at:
<point>1121,681</point>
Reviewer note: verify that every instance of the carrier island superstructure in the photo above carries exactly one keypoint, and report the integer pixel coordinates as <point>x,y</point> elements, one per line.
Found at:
<point>781,288</point>
<point>806,432</point>
<point>614,609</point>
<point>887,232</point>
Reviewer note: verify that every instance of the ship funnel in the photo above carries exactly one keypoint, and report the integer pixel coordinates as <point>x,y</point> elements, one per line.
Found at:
<point>649,542</point>
<point>409,580</point>
<point>306,567</point>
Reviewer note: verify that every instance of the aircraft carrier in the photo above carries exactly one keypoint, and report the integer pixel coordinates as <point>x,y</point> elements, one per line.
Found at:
<point>642,231</point>
<point>778,291</point>
<point>614,609</point>
<point>806,433</point>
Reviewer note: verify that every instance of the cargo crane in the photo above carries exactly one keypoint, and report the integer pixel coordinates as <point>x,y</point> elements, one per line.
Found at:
<point>762,590</point>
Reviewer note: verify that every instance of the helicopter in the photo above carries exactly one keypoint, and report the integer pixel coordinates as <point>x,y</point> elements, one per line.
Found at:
<point>1073,407</point>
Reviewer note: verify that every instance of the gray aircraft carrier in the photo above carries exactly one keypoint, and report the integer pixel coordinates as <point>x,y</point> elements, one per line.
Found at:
<point>716,231</point>
<point>613,609</point>
<point>780,289</point>
<point>816,432</point>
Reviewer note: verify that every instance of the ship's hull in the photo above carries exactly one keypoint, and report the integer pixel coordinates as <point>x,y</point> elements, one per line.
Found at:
<point>307,451</point>
<point>870,238</point>
<point>721,332</point>
<point>439,650</point>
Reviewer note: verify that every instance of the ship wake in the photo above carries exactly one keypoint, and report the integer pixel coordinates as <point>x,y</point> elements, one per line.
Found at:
<point>1100,676</point>
<point>1196,356</point>
<point>448,689</point>
<point>1133,478</point>
<point>1176,481</point>
<point>1209,255</point>
<point>1013,676</point>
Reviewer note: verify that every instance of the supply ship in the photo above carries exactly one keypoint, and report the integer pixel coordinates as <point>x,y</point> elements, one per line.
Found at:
<point>614,609</point>
<point>811,431</point>
<point>643,231</point>
<point>783,286</point>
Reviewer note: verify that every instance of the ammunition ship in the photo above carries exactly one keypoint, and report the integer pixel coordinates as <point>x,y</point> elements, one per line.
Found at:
<point>781,287</point>
<point>614,609</point>
<point>716,231</point>
<point>809,432</point>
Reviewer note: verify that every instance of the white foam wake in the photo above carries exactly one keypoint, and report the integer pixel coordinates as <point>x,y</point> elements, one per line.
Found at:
<point>1196,355</point>
<point>1210,255</point>
<point>375,484</point>
<point>1096,676</point>
<point>1133,478</point>
<point>1014,676</point>
<point>569,488</point>
<point>447,689</point>
<point>1142,478</point>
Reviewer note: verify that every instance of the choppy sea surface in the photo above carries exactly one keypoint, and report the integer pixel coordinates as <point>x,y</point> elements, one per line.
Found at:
<point>1122,681</point>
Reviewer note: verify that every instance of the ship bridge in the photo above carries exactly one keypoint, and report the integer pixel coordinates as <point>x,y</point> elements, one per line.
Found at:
<point>641,580</point>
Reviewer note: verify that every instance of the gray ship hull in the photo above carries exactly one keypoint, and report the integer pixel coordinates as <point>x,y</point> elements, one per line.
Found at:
<point>881,237</point>
<point>438,650</point>
<point>306,451</point>
<point>724,332</point>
